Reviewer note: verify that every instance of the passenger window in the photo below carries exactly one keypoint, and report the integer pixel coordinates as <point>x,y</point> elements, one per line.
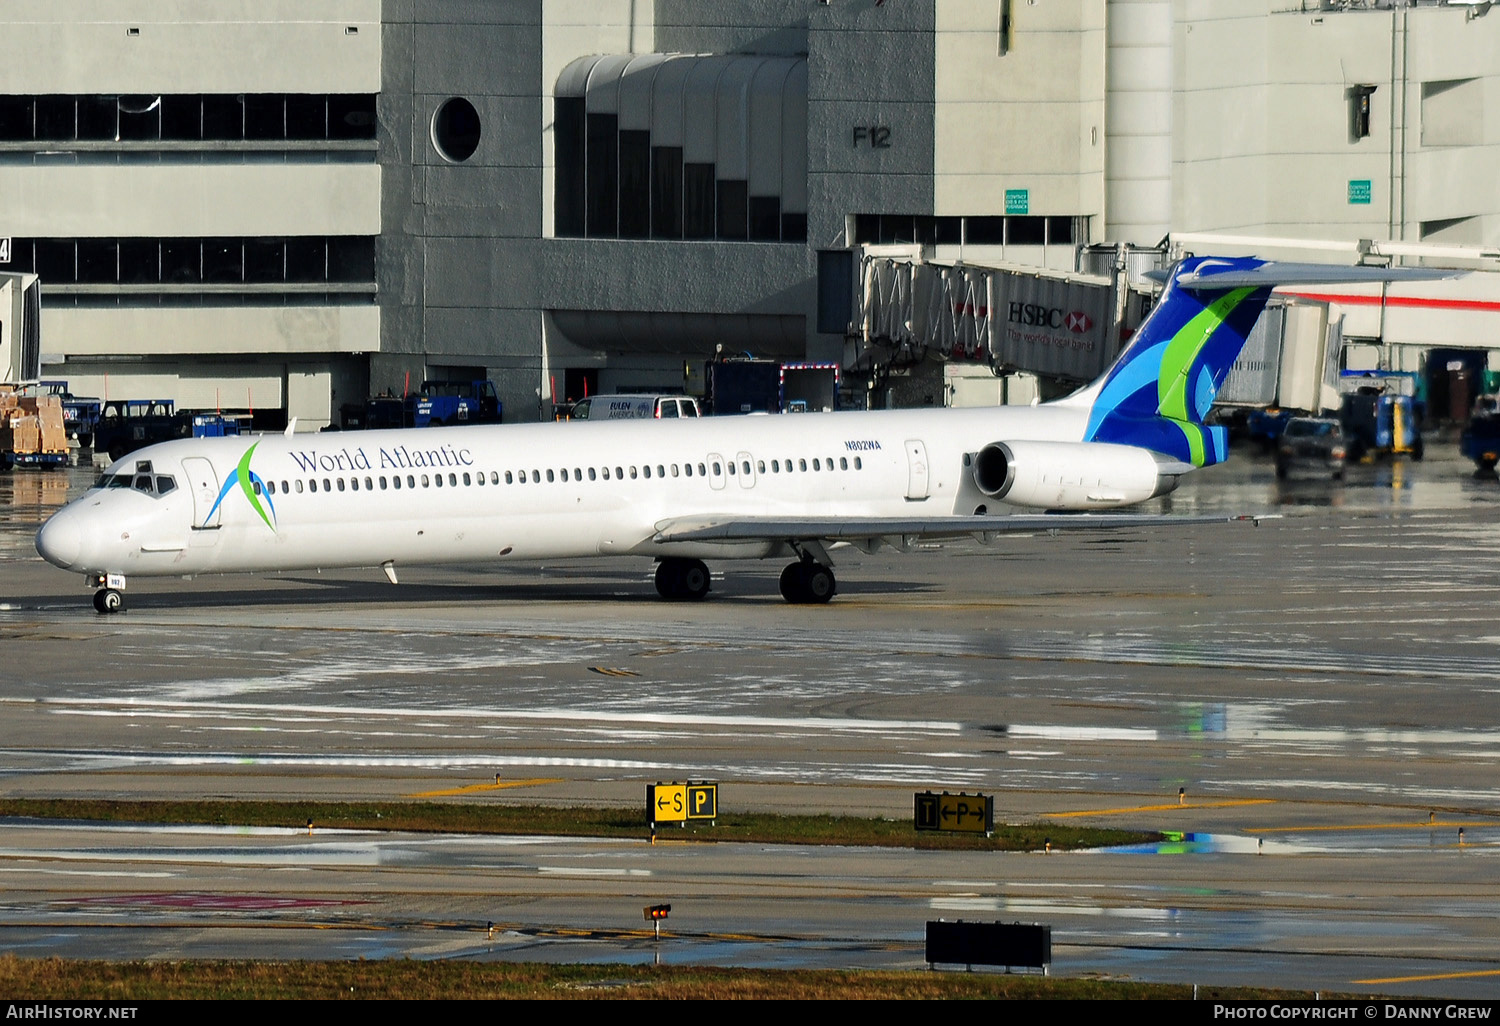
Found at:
<point>369,485</point>
<point>468,481</point>
<point>632,473</point>
<point>549,477</point>
<point>452,480</point>
<point>745,466</point>
<point>299,486</point>
<point>674,470</point>
<point>495,477</point>
<point>254,487</point>
<point>815,464</point>
<point>425,482</point>
<point>702,470</point>
<point>577,474</point>
<point>859,464</point>
<point>619,473</point>
<point>508,478</point>
<point>606,473</point>
<point>687,468</point>
<point>592,475</point>
<point>730,464</point>
<point>802,465</point>
<point>396,482</point>
<point>760,466</point>
<point>312,484</point>
<point>775,466</point>
<point>270,486</point>
<point>647,471</point>
<point>341,484</point>
<point>437,480</point>
<point>327,485</point>
<point>843,463</point>
<point>354,484</point>
<point>382,482</point>
<point>661,471</point>
<point>718,470</point>
<point>411,480</point>
<point>536,478</point>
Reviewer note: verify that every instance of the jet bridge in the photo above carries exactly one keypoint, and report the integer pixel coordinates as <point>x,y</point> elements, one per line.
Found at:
<point>1048,323</point>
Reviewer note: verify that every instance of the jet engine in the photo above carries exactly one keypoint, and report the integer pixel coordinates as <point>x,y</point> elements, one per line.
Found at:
<point>1072,475</point>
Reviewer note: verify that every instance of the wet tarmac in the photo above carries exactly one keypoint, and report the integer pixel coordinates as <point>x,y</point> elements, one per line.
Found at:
<point>1309,707</point>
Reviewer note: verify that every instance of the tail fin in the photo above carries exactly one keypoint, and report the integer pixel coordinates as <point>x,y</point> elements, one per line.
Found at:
<point>1162,386</point>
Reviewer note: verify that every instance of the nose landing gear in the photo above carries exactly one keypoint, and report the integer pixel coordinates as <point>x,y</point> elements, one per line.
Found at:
<point>110,598</point>
<point>107,600</point>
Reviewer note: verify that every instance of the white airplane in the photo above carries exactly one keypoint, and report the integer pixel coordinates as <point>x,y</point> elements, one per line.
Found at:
<point>687,490</point>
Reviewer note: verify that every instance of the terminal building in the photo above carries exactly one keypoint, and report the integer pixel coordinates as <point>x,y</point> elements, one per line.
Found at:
<point>284,207</point>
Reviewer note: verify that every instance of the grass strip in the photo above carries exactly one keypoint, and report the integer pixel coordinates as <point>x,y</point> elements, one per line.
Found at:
<point>470,818</point>
<point>60,979</point>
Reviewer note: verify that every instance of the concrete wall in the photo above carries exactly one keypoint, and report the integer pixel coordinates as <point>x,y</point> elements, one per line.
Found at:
<point>1262,140</point>
<point>268,46</point>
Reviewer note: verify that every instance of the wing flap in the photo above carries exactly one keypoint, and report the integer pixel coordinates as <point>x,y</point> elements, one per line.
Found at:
<point>909,529</point>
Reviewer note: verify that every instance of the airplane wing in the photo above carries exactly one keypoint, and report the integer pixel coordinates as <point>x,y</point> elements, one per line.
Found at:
<point>901,532</point>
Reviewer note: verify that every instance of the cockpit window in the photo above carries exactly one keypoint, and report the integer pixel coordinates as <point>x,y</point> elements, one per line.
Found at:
<point>164,484</point>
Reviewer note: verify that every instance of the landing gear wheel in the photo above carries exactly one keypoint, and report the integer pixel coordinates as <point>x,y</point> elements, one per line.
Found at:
<point>807,583</point>
<point>682,579</point>
<point>108,600</point>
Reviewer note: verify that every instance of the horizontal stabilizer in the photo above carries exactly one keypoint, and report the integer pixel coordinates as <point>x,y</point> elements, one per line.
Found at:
<point>1215,274</point>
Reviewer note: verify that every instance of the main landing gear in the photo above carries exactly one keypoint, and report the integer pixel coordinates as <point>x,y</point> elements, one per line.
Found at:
<point>682,580</point>
<point>807,582</point>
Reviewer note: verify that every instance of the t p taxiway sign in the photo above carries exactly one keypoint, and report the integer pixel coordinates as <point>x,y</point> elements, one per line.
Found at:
<point>966,813</point>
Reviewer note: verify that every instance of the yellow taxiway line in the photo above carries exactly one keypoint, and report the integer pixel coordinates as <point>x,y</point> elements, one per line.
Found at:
<point>496,786</point>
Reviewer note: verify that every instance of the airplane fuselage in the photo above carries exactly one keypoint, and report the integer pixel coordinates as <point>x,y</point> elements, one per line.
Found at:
<point>524,492</point>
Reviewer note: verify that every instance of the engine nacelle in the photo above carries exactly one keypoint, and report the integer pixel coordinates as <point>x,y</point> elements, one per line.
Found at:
<point>1072,475</point>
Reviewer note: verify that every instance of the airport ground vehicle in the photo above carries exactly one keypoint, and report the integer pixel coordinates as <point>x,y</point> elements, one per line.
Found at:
<point>634,407</point>
<point>130,424</point>
<point>453,402</point>
<point>32,432</point>
<point>1313,445</point>
<point>1480,440</point>
<point>746,385</point>
<point>80,413</point>
<point>1378,422</point>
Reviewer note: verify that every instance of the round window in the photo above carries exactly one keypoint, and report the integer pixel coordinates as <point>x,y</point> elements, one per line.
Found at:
<point>455,129</point>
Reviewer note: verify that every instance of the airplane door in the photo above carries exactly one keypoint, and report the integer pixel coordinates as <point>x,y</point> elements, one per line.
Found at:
<point>203,482</point>
<point>716,470</point>
<point>747,470</point>
<point>916,470</point>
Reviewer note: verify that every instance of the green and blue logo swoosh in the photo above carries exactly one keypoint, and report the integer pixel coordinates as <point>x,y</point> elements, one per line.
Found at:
<point>1163,385</point>
<point>247,479</point>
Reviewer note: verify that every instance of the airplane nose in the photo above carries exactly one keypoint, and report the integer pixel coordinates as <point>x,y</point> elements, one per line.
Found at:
<point>60,541</point>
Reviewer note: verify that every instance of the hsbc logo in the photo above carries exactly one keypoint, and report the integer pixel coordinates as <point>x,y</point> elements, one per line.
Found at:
<point>1034,314</point>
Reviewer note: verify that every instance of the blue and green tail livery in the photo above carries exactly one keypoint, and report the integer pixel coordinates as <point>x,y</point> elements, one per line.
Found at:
<point>1158,392</point>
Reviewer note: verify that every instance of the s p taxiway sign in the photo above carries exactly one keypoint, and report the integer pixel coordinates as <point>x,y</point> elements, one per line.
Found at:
<point>679,803</point>
<point>967,813</point>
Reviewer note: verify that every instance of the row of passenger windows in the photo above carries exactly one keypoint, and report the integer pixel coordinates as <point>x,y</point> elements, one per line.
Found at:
<point>395,482</point>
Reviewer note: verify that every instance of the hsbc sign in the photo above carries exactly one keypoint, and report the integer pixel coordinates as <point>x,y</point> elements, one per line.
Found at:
<point>1030,314</point>
<point>1052,326</point>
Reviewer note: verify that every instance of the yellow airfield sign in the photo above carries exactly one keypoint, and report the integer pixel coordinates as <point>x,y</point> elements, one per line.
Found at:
<point>679,803</point>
